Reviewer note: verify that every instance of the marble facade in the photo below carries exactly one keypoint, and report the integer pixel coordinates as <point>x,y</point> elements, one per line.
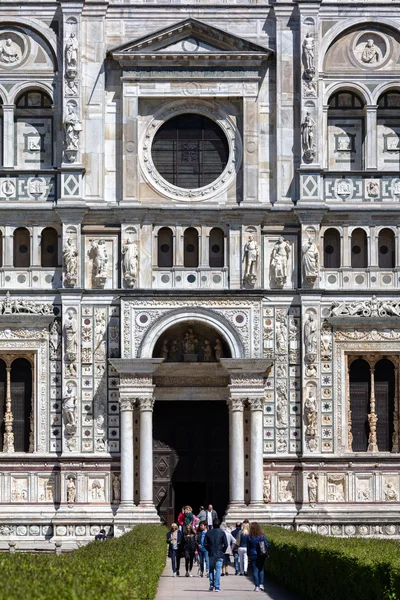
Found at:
<point>301,284</point>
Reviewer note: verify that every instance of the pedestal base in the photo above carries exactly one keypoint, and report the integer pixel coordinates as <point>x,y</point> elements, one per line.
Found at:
<point>146,513</point>
<point>254,512</point>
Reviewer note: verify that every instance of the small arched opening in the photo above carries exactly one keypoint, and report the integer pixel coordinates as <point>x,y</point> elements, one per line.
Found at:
<point>386,249</point>
<point>359,249</point>
<point>216,248</point>
<point>165,252</point>
<point>332,249</point>
<point>191,248</point>
<point>22,248</point>
<point>49,248</point>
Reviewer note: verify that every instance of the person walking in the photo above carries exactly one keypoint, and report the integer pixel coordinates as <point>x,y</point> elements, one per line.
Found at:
<point>189,548</point>
<point>188,514</point>
<point>174,538</point>
<point>256,557</point>
<point>215,544</point>
<point>235,548</point>
<point>202,516</point>
<point>242,548</point>
<point>230,540</point>
<point>203,554</point>
<point>211,516</point>
<point>181,519</point>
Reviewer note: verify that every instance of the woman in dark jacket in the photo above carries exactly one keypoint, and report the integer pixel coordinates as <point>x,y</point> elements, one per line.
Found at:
<point>189,548</point>
<point>256,559</point>
<point>174,538</point>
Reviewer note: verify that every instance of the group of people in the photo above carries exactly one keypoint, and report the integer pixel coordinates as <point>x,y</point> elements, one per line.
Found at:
<point>212,543</point>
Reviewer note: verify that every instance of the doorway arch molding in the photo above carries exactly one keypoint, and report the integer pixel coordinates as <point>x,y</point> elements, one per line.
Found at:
<point>188,315</point>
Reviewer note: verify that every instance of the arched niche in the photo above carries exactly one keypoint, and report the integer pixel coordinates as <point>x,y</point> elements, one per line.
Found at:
<point>191,342</point>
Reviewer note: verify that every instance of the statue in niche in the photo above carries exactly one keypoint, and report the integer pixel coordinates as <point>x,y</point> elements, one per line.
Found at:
<point>173,351</point>
<point>207,352</point>
<point>250,259</point>
<point>312,484</point>
<point>116,486</point>
<point>70,369</point>
<point>309,55</point>
<point>98,253</point>
<point>10,52</point>
<point>371,53</point>
<point>71,336</point>
<point>267,489</point>
<point>310,335</point>
<point>69,406</point>
<point>55,339</point>
<point>279,261</point>
<point>131,262</point>
<point>100,419</point>
<point>99,334</point>
<point>281,405</point>
<point>218,349</point>
<point>71,55</point>
<point>310,413</point>
<point>310,261</point>
<point>281,332</point>
<point>71,88</point>
<point>190,343</point>
<point>71,490</point>
<point>97,490</point>
<point>307,137</point>
<point>72,128</point>
<point>164,350</point>
<point>70,255</point>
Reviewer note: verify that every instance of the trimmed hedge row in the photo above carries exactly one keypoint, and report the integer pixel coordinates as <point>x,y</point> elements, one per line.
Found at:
<point>318,567</point>
<point>126,568</point>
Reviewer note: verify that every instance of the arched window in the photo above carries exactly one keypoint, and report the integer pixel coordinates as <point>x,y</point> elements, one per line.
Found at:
<point>21,403</point>
<point>191,248</point>
<point>384,403</point>
<point>332,249</point>
<point>22,248</point>
<point>345,132</point>
<point>216,247</point>
<point>165,254</point>
<point>190,151</point>
<point>49,247</point>
<point>3,383</point>
<point>359,404</point>
<point>388,131</point>
<point>34,130</point>
<point>359,250</point>
<point>386,252</point>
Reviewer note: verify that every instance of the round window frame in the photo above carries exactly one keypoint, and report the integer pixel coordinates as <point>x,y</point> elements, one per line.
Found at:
<point>220,184</point>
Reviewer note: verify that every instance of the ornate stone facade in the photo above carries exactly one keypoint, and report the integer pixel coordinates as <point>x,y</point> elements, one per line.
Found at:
<point>199,210</point>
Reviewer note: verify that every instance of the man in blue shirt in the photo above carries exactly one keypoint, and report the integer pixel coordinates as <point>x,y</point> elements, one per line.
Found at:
<point>203,554</point>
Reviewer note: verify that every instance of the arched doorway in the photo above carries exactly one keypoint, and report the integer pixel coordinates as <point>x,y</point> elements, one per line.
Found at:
<point>384,401</point>
<point>359,404</point>
<point>190,421</point>
<point>21,403</point>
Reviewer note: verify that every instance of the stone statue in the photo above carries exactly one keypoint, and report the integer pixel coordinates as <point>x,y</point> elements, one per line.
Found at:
<point>326,343</point>
<point>55,330</point>
<point>279,261</point>
<point>312,484</point>
<point>173,351</point>
<point>71,88</point>
<point>99,334</point>
<point>250,260</point>
<point>131,262</point>
<point>98,253</point>
<point>164,349</point>
<point>309,56</point>
<point>390,492</point>
<point>371,53</point>
<point>218,349</point>
<point>100,419</point>
<point>310,334</point>
<point>267,489</point>
<point>72,128</point>
<point>281,405</point>
<point>10,52</point>
<point>69,406</point>
<point>116,486</point>
<point>70,254</point>
<point>307,137</point>
<point>71,336</point>
<point>190,343</point>
<point>281,333</point>
<point>71,55</point>
<point>71,490</point>
<point>310,261</point>
<point>207,352</point>
<point>311,414</point>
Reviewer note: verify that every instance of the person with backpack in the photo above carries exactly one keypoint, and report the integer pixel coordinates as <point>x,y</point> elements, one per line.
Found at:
<point>257,551</point>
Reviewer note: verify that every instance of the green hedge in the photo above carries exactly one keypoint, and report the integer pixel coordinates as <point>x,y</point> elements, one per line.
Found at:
<point>126,568</point>
<point>318,567</point>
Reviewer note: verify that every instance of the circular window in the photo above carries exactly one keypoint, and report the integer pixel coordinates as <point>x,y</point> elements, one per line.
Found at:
<point>164,248</point>
<point>23,249</point>
<point>190,248</point>
<point>383,249</point>
<point>190,151</point>
<point>329,250</point>
<point>50,249</point>
<point>215,248</point>
<point>356,249</point>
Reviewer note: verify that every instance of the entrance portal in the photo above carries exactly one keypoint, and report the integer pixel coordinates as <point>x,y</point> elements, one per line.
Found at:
<point>191,456</point>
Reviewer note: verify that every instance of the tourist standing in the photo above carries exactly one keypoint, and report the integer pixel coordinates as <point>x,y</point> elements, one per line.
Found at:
<point>235,534</point>
<point>189,548</point>
<point>255,555</point>
<point>203,554</point>
<point>230,540</point>
<point>242,548</point>
<point>211,516</point>
<point>174,538</point>
<point>188,515</point>
<point>181,518</point>
<point>202,516</point>
<point>216,544</point>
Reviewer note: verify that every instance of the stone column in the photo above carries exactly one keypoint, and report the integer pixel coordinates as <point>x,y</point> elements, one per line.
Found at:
<point>372,417</point>
<point>256,449</point>
<point>146,450</point>
<point>8,445</point>
<point>236,459</point>
<point>371,154</point>
<point>127,464</point>
<point>395,437</point>
<point>8,127</point>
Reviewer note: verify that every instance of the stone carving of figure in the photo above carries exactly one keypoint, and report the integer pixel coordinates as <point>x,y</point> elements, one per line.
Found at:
<point>250,259</point>
<point>310,413</point>
<point>72,128</point>
<point>281,413</point>
<point>70,255</point>
<point>310,334</point>
<point>100,419</point>
<point>390,492</point>
<point>173,351</point>
<point>69,406</point>
<point>267,489</point>
<point>71,490</point>
<point>281,333</point>
<point>219,352</point>
<point>164,349</point>
<point>99,334</point>
<point>190,343</point>
<point>71,52</point>
<point>343,188</point>
<point>10,52</point>
<point>373,189</point>
<point>100,258</point>
<point>208,352</point>
<point>54,339</point>
<point>116,485</point>
<point>71,88</point>
<point>71,336</point>
<point>131,262</point>
<point>371,53</point>
<point>310,261</point>
<point>326,343</point>
<point>312,488</point>
<point>309,55</point>
<point>307,136</point>
<point>279,261</point>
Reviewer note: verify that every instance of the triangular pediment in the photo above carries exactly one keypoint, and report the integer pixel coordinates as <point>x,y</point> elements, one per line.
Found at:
<point>189,38</point>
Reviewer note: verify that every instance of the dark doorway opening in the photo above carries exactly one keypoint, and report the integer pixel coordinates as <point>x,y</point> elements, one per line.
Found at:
<point>359,404</point>
<point>384,401</point>
<point>191,456</point>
